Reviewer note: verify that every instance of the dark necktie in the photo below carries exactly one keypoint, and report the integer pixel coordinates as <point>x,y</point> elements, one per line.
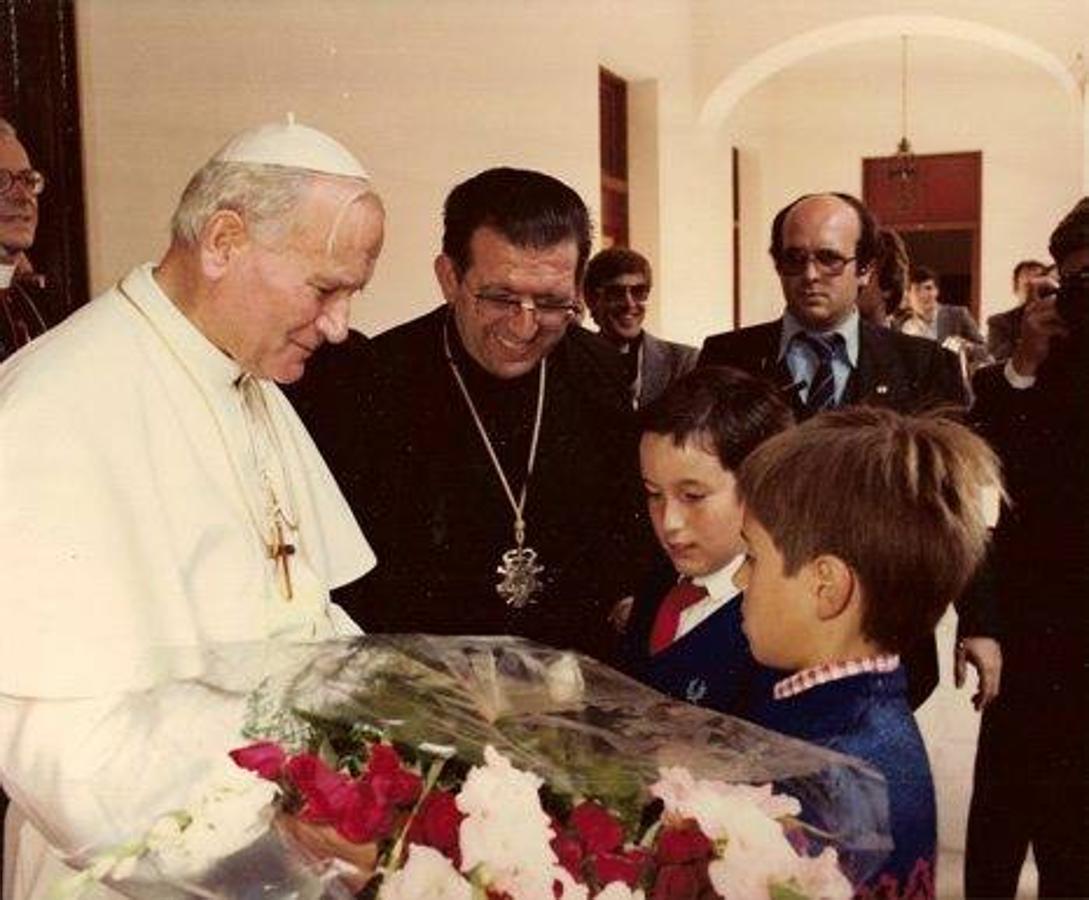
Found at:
<point>822,389</point>
<point>668,619</point>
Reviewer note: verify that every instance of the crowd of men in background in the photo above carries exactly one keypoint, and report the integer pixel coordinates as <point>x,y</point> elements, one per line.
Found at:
<point>487,448</point>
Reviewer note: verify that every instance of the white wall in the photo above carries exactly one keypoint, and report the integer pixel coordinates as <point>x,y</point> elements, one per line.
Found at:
<point>427,93</point>
<point>430,91</point>
<point>810,126</point>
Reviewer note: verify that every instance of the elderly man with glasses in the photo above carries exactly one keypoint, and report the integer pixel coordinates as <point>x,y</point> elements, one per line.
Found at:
<point>486,446</point>
<point>618,282</point>
<point>25,307</point>
<point>823,354</point>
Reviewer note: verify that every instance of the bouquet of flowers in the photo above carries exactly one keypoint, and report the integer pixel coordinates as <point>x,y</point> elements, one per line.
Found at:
<point>415,767</point>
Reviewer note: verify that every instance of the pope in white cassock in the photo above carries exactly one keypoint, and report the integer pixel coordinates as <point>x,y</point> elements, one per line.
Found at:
<point>159,495</point>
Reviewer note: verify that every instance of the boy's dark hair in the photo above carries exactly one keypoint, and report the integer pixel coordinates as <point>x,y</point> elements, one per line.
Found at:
<point>897,498</point>
<point>726,411</point>
<point>530,209</point>
<point>919,274</point>
<point>612,263</point>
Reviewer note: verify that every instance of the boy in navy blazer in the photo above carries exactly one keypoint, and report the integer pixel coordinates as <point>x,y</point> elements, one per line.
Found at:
<point>860,525</point>
<point>684,636</point>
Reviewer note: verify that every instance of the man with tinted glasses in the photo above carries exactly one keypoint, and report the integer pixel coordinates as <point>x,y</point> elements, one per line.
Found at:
<point>617,286</point>
<point>25,307</point>
<point>823,354</point>
<point>486,446</point>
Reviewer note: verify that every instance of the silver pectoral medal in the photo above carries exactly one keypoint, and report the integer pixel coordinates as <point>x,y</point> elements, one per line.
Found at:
<point>519,569</point>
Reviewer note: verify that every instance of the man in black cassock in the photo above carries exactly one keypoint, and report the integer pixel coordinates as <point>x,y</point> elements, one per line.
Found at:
<point>487,446</point>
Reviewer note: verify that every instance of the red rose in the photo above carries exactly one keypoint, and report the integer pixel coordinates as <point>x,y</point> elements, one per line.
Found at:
<point>362,817</point>
<point>627,866</point>
<point>324,791</point>
<point>332,798</point>
<point>682,845</point>
<point>383,758</point>
<point>569,852</point>
<point>598,830</point>
<point>392,783</point>
<point>265,758</point>
<point>436,825</point>
<point>679,882</point>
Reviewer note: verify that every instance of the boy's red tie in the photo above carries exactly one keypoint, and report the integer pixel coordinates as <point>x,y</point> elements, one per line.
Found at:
<point>683,595</point>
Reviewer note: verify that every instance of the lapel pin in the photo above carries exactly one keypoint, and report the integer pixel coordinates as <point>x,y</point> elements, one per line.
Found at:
<point>882,389</point>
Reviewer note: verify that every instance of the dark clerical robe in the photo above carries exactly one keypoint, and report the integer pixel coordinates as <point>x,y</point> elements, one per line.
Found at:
<point>401,440</point>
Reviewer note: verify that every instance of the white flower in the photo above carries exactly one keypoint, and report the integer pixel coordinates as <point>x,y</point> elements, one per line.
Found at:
<point>505,837</point>
<point>720,808</point>
<point>617,890</point>
<point>428,875</point>
<point>821,878</point>
<point>564,680</point>
<point>754,852</point>
<point>230,815</point>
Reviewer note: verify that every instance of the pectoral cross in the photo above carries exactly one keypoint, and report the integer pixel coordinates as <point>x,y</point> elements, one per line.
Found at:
<point>279,551</point>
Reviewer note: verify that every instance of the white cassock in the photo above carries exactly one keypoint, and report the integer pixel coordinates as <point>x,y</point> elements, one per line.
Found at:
<point>136,468</point>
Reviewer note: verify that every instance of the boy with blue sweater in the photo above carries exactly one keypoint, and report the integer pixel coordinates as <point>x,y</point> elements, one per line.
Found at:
<point>684,636</point>
<point>860,526</point>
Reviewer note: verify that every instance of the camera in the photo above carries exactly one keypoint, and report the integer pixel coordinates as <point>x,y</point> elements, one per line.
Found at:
<point>1072,298</point>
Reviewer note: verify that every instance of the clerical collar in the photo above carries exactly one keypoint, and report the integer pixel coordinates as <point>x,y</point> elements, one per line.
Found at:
<point>7,273</point>
<point>203,357</point>
<point>848,328</point>
<point>480,380</point>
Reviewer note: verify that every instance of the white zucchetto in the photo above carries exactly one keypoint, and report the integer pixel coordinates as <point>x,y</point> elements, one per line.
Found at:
<point>294,146</point>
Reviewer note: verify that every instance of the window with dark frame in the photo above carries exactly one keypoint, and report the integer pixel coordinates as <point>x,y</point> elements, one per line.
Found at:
<point>613,111</point>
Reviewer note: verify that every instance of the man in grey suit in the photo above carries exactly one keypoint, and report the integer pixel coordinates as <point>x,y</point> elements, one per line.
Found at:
<point>617,287</point>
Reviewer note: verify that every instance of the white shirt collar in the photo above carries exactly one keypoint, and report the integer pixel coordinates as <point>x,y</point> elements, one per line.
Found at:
<point>720,591</point>
<point>720,583</point>
<point>848,328</point>
<point>7,273</point>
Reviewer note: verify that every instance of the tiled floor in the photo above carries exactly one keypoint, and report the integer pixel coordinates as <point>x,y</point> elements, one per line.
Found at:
<point>950,725</point>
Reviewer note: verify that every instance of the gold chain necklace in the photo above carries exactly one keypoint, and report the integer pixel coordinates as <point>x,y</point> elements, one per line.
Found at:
<point>518,566</point>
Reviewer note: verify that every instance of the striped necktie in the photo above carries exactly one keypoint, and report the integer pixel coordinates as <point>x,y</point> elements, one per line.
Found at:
<point>822,389</point>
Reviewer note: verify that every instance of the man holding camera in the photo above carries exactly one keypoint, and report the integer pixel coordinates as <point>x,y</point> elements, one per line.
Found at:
<point>1032,766</point>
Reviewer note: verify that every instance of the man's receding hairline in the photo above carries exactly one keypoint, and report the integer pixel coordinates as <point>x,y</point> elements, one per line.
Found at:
<point>814,197</point>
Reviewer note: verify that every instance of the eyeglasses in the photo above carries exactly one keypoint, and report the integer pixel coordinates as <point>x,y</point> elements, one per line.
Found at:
<point>795,262</point>
<point>549,310</point>
<point>618,294</point>
<point>30,179</point>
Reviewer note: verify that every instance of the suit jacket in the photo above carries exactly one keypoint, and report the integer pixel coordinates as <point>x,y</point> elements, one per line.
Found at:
<point>1003,329</point>
<point>663,363</point>
<point>710,666</point>
<point>895,371</point>
<point>1037,573</point>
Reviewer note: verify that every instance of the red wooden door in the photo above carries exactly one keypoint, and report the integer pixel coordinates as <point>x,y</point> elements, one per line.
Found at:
<point>937,211</point>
